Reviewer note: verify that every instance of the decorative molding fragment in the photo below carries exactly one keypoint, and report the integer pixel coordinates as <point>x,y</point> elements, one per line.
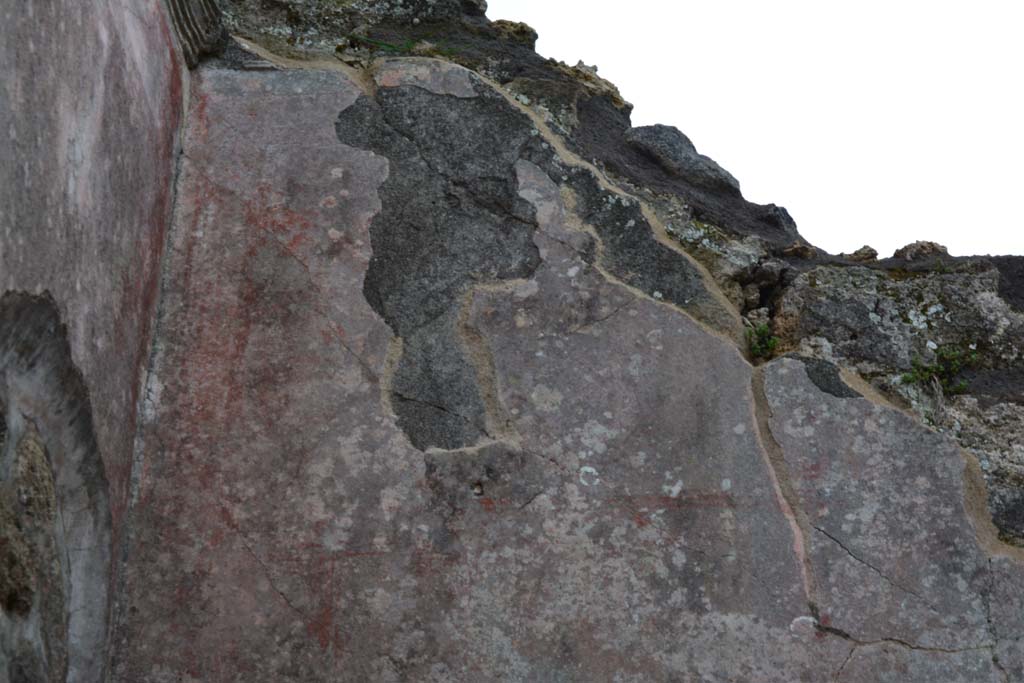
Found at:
<point>199,28</point>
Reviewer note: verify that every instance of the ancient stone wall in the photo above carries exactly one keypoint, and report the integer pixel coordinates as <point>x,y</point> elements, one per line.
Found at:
<point>447,373</point>
<point>440,399</point>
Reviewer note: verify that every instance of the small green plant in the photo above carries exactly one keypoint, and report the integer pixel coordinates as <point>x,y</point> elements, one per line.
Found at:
<point>950,361</point>
<point>761,340</point>
<point>381,45</point>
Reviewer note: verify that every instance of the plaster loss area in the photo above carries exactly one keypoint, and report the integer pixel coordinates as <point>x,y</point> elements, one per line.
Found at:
<point>54,516</point>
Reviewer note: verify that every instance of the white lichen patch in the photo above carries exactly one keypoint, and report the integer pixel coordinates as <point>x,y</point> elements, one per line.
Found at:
<point>673,490</point>
<point>595,436</point>
<point>546,399</point>
<point>589,476</point>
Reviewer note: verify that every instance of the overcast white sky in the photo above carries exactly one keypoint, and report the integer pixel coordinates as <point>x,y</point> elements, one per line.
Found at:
<point>873,122</point>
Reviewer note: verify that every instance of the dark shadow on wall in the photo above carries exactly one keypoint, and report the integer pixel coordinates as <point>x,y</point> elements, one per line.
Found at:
<point>54,509</point>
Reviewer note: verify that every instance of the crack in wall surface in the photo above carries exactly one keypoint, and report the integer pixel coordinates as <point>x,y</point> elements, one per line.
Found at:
<point>986,596</point>
<point>266,572</point>
<point>858,643</point>
<point>776,455</point>
<point>849,656</point>
<point>870,566</point>
<point>441,408</point>
<point>592,323</point>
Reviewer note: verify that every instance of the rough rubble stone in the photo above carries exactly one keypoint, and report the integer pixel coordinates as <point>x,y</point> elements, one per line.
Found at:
<point>920,250</point>
<point>881,321</point>
<point>324,23</point>
<point>517,31</point>
<point>601,134</point>
<point>865,254</point>
<point>994,433</point>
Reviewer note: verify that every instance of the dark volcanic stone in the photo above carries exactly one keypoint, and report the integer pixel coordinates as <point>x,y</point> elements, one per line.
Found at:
<point>602,135</point>
<point>631,251</point>
<point>451,217</point>
<point>826,377</point>
<point>1011,279</point>
<point>1006,503</point>
<point>674,151</point>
